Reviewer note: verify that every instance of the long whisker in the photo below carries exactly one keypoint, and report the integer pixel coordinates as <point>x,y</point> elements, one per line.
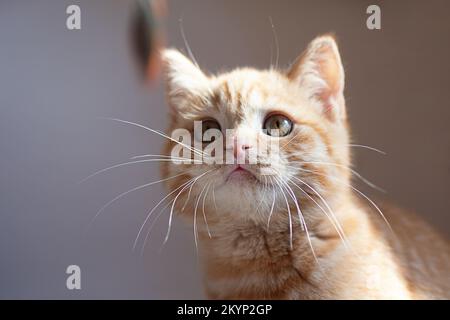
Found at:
<point>214,198</point>
<point>195,224</point>
<point>374,205</point>
<point>186,44</point>
<point>334,221</point>
<point>271,208</point>
<point>127,192</point>
<point>265,189</point>
<point>294,199</point>
<point>358,191</point>
<point>199,152</point>
<point>354,172</point>
<point>188,197</point>
<point>126,164</point>
<point>289,214</point>
<point>158,216</point>
<point>188,183</point>
<point>367,147</point>
<point>277,46</point>
<point>152,225</point>
<point>271,55</point>
<point>301,218</point>
<point>261,200</point>
<point>154,208</point>
<point>173,205</point>
<point>324,202</point>
<point>169,225</point>
<point>163,156</point>
<point>203,210</point>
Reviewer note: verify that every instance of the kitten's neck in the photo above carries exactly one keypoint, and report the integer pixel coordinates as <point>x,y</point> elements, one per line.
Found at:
<point>256,256</point>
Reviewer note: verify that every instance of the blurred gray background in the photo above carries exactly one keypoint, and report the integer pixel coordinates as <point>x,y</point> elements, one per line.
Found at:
<point>55,83</point>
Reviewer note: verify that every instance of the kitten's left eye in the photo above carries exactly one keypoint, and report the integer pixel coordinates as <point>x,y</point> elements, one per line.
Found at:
<point>278,125</point>
<point>209,129</point>
<point>210,124</point>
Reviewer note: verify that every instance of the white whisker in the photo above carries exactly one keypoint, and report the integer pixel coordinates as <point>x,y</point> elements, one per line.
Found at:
<point>374,205</point>
<point>152,225</point>
<point>336,227</point>
<point>166,157</point>
<point>127,192</point>
<point>122,165</point>
<point>214,199</point>
<point>289,214</point>
<point>186,44</point>
<point>203,210</point>
<point>301,219</point>
<point>154,208</point>
<point>355,189</point>
<point>330,217</point>
<point>277,46</point>
<point>294,199</point>
<point>173,205</point>
<point>357,174</point>
<point>271,208</point>
<point>367,147</point>
<point>199,152</point>
<point>195,224</point>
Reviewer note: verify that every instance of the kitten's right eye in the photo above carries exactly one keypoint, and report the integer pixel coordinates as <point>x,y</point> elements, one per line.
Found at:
<point>207,125</point>
<point>278,125</point>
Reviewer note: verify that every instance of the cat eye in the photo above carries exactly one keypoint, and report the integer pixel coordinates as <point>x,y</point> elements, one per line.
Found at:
<point>207,125</point>
<point>277,125</point>
<point>210,124</point>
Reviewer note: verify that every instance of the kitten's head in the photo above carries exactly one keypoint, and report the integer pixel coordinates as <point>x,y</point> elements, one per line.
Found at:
<point>302,110</point>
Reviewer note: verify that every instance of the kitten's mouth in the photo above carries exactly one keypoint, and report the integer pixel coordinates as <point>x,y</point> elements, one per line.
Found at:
<point>241,173</point>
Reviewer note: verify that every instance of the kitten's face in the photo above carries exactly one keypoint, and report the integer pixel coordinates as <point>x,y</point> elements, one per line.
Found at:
<point>305,159</point>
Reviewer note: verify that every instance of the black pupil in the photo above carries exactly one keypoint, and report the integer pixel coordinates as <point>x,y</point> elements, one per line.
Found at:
<point>278,123</point>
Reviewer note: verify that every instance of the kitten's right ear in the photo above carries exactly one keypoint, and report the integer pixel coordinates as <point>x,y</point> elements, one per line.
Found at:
<point>184,80</point>
<point>320,73</point>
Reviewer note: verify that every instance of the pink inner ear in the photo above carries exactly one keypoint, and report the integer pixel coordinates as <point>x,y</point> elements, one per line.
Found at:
<point>330,71</point>
<point>321,60</point>
<point>328,107</point>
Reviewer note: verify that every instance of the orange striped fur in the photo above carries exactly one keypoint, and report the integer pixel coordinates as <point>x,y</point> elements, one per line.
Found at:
<point>246,256</point>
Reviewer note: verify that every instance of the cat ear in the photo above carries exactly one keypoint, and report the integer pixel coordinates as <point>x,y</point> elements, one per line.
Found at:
<point>319,71</point>
<point>184,80</point>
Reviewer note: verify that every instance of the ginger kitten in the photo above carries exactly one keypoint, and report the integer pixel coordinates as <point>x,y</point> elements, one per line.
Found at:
<point>290,226</point>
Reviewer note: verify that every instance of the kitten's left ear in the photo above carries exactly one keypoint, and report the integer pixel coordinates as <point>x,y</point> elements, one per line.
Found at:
<point>319,71</point>
<point>184,80</point>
